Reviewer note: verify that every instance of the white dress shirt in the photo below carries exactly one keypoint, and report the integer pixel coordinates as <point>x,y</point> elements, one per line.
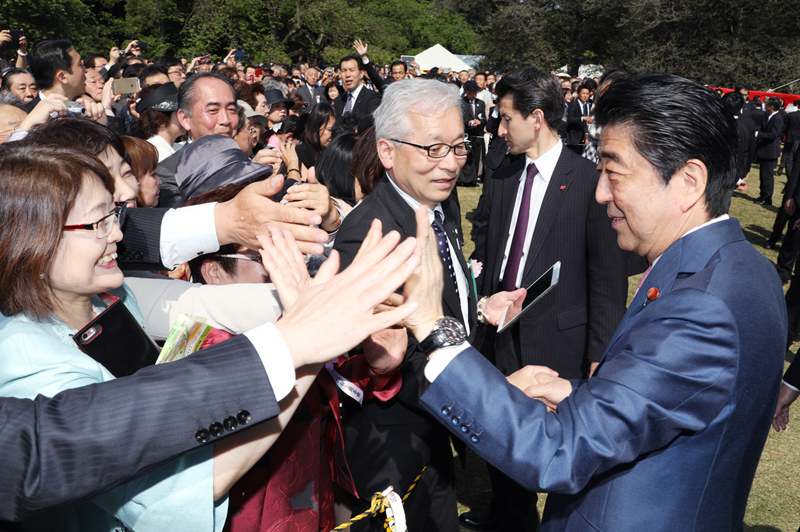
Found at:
<point>461,276</point>
<point>546,165</point>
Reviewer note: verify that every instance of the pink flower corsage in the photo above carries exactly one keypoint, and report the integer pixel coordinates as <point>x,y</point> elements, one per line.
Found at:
<point>477,267</point>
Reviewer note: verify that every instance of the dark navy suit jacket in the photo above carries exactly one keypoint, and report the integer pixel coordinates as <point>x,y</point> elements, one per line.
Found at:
<point>668,434</point>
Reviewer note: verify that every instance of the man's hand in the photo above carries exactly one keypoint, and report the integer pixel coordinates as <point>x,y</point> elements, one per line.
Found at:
<point>253,211</point>
<point>131,45</point>
<point>332,317</point>
<point>269,158</point>
<point>789,206</point>
<point>113,56</point>
<point>499,302</point>
<point>316,198</point>
<point>550,389</point>
<point>94,111</point>
<point>5,36</point>
<point>525,377</point>
<point>54,103</point>
<point>781,418</point>
<point>109,98</point>
<point>426,285</point>
<point>23,44</point>
<point>385,350</point>
<point>361,49</point>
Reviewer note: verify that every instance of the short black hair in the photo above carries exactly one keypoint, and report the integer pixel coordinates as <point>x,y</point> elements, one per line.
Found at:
<point>774,102</point>
<point>533,89</point>
<point>590,84</point>
<point>168,61</point>
<point>186,92</point>
<point>352,58</point>
<point>88,61</point>
<point>151,70</point>
<point>402,64</point>
<point>668,136</point>
<point>47,57</point>
<point>733,102</point>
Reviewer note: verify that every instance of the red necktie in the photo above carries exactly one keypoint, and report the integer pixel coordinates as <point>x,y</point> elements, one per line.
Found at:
<point>518,242</point>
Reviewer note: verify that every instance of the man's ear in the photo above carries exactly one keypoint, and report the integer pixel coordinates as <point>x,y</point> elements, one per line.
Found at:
<point>210,270</point>
<point>183,119</point>
<point>386,153</point>
<point>693,181</point>
<point>61,77</point>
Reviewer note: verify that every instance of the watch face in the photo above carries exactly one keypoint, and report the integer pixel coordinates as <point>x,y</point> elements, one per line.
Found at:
<point>452,330</point>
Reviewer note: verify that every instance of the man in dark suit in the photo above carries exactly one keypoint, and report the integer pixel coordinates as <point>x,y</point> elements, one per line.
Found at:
<point>310,91</point>
<point>579,116</point>
<point>733,102</point>
<point>790,153</point>
<point>357,98</point>
<point>668,433</point>
<point>747,107</point>
<point>57,69</point>
<point>421,144</point>
<point>541,210</point>
<point>473,109</point>
<point>88,440</point>
<point>768,149</point>
<point>791,142</point>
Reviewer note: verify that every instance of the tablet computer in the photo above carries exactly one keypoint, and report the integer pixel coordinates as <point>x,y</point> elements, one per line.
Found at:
<point>534,293</point>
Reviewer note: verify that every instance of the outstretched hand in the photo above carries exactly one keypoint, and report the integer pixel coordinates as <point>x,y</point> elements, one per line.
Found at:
<point>781,419</point>
<point>332,317</point>
<point>426,285</point>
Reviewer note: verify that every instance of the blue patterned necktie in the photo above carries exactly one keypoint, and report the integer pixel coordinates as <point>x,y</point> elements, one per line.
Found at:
<point>444,248</point>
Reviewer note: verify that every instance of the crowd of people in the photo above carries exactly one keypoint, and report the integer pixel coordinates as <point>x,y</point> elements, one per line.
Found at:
<point>136,190</point>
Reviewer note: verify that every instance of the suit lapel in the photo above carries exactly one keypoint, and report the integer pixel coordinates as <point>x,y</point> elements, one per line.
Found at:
<point>555,192</point>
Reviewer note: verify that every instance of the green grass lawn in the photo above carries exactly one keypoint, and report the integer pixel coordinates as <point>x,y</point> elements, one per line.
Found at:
<point>774,503</point>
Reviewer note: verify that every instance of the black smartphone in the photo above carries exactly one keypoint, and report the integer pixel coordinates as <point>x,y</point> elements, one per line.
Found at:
<point>15,36</point>
<point>535,292</point>
<point>142,45</point>
<point>238,55</point>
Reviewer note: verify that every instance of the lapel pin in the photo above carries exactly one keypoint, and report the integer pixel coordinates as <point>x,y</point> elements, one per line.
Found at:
<point>653,294</point>
<point>563,187</point>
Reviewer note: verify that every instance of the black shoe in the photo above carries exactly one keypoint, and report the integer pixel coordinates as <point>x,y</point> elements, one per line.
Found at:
<point>480,520</point>
<point>763,201</point>
<point>769,245</point>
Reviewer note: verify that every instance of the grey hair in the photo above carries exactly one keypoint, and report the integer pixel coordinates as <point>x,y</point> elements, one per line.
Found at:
<point>424,97</point>
<point>273,84</point>
<point>9,98</point>
<point>187,94</point>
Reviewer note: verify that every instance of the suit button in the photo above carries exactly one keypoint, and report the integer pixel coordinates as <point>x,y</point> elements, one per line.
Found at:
<point>445,411</point>
<point>216,429</point>
<point>455,420</point>
<point>138,255</point>
<point>464,429</point>
<point>202,436</point>
<point>243,417</point>
<point>474,438</point>
<point>229,423</point>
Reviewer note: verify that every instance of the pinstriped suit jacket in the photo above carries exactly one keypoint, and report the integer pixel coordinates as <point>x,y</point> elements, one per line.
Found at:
<point>576,319</point>
<point>87,440</point>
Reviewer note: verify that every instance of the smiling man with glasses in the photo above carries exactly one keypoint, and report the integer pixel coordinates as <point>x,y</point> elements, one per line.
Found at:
<point>422,146</point>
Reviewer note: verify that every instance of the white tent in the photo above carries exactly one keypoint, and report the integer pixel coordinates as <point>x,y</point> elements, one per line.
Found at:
<point>439,56</point>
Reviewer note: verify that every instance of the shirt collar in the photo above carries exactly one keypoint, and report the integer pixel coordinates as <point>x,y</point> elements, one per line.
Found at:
<point>546,163</point>
<point>690,231</point>
<point>357,91</point>
<point>414,204</point>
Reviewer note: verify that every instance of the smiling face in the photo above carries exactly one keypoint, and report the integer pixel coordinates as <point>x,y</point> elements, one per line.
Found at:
<point>84,265</point>
<point>213,111</point>
<point>428,180</point>
<point>645,212</point>
<point>125,184</point>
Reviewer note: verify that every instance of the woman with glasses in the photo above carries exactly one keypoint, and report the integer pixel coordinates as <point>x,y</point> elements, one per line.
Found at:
<point>57,256</point>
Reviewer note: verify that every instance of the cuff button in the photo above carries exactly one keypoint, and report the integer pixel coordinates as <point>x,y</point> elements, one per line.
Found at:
<point>474,438</point>
<point>230,423</point>
<point>216,429</point>
<point>202,436</point>
<point>243,417</point>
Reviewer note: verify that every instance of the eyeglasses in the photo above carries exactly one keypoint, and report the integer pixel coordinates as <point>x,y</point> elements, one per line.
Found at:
<point>179,72</point>
<point>101,227</point>
<point>438,151</point>
<point>255,257</point>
